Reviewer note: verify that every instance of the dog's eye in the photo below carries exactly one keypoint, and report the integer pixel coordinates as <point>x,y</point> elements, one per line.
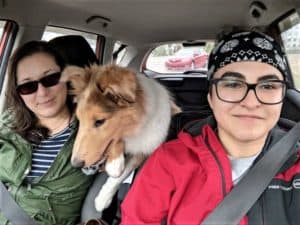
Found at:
<point>99,87</point>
<point>98,123</point>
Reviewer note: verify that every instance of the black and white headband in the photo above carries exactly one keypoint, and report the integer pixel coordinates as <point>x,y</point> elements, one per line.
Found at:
<point>247,46</point>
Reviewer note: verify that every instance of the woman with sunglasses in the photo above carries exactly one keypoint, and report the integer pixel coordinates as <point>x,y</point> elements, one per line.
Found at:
<point>184,180</point>
<point>36,134</point>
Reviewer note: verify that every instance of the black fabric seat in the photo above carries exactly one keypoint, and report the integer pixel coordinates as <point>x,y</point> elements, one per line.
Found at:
<point>75,50</point>
<point>291,105</point>
<point>180,120</point>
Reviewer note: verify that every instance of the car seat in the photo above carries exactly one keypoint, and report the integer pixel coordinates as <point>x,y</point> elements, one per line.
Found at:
<point>75,50</point>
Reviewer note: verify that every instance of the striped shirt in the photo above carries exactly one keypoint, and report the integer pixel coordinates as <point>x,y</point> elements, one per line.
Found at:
<point>45,153</point>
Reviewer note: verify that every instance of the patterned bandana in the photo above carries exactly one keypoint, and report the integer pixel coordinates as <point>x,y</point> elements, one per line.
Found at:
<point>246,46</point>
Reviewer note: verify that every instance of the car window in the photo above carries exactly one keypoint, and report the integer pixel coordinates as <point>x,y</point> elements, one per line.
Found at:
<point>8,33</point>
<point>179,58</point>
<point>119,51</point>
<point>290,34</point>
<point>2,23</point>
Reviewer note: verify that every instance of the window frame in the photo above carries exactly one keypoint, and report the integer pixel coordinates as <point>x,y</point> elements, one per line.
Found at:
<point>8,38</point>
<point>276,31</point>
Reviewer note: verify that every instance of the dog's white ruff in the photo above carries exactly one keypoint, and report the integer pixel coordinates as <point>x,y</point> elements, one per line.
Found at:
<point>116,166</point>
<point>150,134</point>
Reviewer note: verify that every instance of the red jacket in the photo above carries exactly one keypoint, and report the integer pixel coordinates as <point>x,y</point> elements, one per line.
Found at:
<point>185,179</point>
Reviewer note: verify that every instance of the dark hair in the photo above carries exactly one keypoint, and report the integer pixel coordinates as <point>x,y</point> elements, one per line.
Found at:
<point>75,50</point>
<point>25,122</point>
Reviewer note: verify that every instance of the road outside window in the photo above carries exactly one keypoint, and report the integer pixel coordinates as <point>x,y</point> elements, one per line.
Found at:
<point>179,58</point>
<point>118,52</point>
<point>2,24</point>
<point>290,35</point>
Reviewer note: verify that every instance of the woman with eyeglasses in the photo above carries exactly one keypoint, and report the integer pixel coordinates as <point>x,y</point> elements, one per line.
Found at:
<point>36,137</point>
<point>184,180</point>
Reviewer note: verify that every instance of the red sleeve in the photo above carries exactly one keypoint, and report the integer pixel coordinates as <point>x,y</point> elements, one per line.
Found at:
<point>148,200</point>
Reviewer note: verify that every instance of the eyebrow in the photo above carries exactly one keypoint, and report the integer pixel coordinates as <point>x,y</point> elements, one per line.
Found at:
<point>233,74</point>
<point>44,74</point>
<point>269,77</point>
<point>241,76</point>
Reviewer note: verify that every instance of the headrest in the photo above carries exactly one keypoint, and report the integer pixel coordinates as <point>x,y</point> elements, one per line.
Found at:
<point>291,105</point>
<point>75,50</point>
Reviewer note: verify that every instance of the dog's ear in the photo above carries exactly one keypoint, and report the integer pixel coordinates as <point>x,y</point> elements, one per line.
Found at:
<point>118,85</point>
<point>77,77</point>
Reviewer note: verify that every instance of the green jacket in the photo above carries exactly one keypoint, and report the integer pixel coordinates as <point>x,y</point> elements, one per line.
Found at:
<point>54,198</point>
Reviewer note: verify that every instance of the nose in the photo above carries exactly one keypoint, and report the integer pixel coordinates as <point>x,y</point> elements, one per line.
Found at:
<point>250,100</point>
<point>41,91</point>
<point>77,163</point>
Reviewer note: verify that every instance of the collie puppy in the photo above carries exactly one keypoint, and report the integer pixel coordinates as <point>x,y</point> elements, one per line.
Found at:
<point>123,117</point>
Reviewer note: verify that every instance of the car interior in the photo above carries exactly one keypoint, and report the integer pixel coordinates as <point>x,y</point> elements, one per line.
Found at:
<point>142,35</point>
<point>132,30</point>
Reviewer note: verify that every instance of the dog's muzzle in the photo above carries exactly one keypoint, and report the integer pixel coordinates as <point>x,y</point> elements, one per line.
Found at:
<point>91,170</point>
<point>98,166</point>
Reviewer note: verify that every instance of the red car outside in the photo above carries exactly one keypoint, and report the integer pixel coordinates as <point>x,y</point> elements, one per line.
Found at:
<point>187,59</point>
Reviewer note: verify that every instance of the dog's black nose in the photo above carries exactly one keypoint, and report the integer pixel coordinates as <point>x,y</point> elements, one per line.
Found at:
<point>77,162</point>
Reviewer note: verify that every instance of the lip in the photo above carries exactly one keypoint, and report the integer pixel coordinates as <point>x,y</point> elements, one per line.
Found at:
<point>46,102</point>
<point>249,117</point>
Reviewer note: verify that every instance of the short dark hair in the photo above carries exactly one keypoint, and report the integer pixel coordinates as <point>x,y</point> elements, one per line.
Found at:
<point>25,121</point>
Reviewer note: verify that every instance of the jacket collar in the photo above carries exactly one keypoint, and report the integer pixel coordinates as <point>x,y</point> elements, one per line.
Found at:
<point>195,128</point>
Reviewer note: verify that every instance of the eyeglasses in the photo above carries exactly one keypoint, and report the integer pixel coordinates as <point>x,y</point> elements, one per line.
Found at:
<point>268,92</point>
<point>32,86</point>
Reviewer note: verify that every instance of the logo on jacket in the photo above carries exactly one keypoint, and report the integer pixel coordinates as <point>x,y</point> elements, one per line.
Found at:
<point>294,185</point>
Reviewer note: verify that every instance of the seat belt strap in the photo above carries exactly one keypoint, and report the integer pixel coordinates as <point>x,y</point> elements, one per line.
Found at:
<point>238,202</point>
<point>11,210</point>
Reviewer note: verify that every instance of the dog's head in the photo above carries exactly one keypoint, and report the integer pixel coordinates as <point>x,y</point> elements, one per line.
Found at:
<point>106,99</point>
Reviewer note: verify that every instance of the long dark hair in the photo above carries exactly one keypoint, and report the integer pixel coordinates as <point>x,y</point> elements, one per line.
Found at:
<point>25,122</point>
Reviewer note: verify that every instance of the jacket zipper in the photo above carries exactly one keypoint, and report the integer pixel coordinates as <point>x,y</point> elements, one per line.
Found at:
<point>219,166</point>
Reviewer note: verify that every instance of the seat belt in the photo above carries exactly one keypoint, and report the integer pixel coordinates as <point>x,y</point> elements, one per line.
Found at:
<point>238,202</point>
<point>11,210</point>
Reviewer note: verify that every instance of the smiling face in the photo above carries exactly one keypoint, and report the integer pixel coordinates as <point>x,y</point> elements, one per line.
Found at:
<point>46,102</point>
<point>249,121</point>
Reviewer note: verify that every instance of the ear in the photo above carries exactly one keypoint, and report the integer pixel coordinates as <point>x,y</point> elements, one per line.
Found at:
<point>118,85</point>
<point>77,77</point>
<point>174,108</point>
<point>209,100</point>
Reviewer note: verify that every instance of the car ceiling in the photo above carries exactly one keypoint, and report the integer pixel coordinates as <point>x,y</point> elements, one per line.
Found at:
<point>144,21</point>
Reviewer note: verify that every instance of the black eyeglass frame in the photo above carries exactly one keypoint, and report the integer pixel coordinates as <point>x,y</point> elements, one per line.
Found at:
<point>32,86</point>
<point>249,87</point>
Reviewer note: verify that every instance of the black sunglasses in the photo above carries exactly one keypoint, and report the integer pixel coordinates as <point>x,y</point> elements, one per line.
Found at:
<point>32,86</point>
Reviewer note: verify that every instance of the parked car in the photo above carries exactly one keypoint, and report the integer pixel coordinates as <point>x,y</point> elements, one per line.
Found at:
<point>186,59</point>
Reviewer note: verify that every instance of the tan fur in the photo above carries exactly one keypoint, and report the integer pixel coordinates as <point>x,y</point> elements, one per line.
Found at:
<point>100,92</point>
<point>174,108</point>
<point>111,109</point>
